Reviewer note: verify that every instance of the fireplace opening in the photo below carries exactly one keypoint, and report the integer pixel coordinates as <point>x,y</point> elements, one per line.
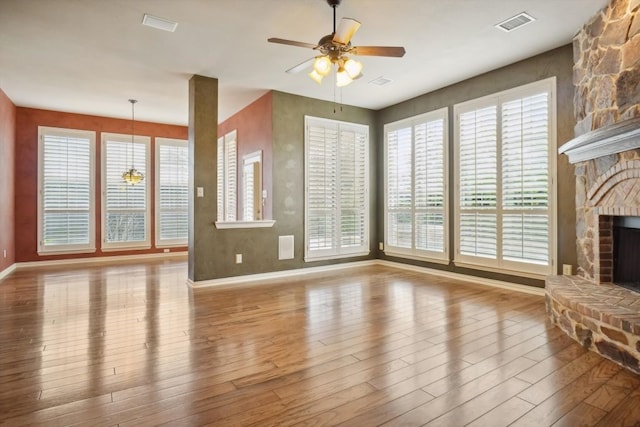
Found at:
<point>626,252</point>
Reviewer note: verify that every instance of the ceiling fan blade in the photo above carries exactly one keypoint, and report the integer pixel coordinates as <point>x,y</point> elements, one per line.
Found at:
<point>291,42</point>
<point>301,66</point>
<point>346,29</point>
<point>394,51</point>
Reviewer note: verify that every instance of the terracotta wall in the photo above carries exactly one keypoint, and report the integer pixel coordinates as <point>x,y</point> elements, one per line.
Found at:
<point>254,132</point>
<point>26,173</point>
<point>7,154</point>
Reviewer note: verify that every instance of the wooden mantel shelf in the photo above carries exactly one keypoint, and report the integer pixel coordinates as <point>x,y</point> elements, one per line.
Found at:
<point>610,139</point>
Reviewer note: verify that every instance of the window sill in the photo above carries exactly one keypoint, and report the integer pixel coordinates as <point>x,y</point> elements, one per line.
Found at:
<point>510,272</point>
<point>444,261</point>
<point>125,248</point>
<point>66,251</point>
<point>224,225</point>
<point>338,256</point>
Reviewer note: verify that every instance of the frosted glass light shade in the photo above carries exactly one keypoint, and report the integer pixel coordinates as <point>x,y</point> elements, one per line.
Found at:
<point>353,68</point>
<point>322,65</point>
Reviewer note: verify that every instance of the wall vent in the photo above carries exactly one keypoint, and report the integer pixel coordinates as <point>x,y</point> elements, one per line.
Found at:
<point>159,23</point>
<point>514,22</point>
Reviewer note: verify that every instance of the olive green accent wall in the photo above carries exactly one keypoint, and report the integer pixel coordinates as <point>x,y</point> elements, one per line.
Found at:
<point>558,63</point>
<point>203,133</point>
<point>288,167</point>
<point>216,248</point>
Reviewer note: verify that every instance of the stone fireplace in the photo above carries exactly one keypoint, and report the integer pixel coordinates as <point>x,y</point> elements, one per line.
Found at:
<point>589,307</point>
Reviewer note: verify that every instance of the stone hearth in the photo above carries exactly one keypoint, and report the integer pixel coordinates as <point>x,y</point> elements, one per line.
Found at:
<point>604,318</point>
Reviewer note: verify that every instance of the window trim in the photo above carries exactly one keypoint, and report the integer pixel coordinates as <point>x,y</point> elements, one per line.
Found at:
<point>413,253</point>
<point>499,265</point>
<point>166,243</point>
<point>338,253</point>
<point>66,249</point>
<point>138,139</point>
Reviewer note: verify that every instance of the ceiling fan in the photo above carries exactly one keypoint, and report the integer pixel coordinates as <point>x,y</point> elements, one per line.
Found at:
<point>334,49</point>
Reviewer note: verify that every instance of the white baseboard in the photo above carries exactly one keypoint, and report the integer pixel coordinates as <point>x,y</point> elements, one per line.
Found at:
<point>101,259</point>
<point>302,271</point>
<point>7,271</point>
<point>276,274</point>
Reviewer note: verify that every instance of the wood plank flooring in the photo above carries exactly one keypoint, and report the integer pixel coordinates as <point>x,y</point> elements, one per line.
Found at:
<point>132,345</point>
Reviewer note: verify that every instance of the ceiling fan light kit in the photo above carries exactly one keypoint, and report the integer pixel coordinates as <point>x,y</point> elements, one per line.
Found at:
<point>334,48</point>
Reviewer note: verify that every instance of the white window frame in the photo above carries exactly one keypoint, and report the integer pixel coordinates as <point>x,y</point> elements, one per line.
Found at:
<point>227,178</point>
<point>138,139</point>
<point>499,265</point>
<point>338,252</point>
<point>165,243</point>
<point>413,252</point>
<point>72,248</point>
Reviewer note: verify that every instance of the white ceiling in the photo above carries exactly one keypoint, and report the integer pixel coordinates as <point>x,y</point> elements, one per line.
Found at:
<point>90,56</point>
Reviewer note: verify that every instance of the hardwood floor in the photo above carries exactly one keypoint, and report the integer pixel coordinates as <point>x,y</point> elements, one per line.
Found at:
<point>132,345</point>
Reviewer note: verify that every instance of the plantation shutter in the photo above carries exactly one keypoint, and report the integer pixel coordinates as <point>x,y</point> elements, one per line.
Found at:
<point>322,188</point>
<point>125,205</point>
<point>525,179</point>
<point>337,207</point>
<point>353,188</point>
<point>478,182</point>
<point>173,195</point>
<point>66,191</point>
<point>220,179</point>
<point>227,187</point>
<point>399,188</point>
<point>505,166</point>
<point>415,186</point>
<point>429,185</point>
<point>231,165</point>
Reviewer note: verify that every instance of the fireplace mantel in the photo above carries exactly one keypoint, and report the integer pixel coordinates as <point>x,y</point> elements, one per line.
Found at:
<point>610,139</point>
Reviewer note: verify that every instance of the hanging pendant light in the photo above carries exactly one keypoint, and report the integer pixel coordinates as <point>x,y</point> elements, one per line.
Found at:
<point>132,176</point>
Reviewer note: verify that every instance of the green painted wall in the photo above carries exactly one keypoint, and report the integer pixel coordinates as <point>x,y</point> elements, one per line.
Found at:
<point>259,247</point>
<point>558,63</point>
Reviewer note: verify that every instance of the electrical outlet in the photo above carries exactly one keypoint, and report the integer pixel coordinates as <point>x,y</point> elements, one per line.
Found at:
<point>199,191</point>
<point>567,269</point>
<point>381,246</point>
<point>238,258</point>
<point>4,253</point>
<point>166,251</point>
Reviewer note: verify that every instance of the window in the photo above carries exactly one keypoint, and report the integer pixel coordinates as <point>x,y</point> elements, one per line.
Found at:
<point>65,190</point>
<point>505,156</point>
<point>252,186</point>
<point>172,192</point>
<point>125,207</point>
<point>415,187</point>
<point>227,177</point>
<point>337,189</point>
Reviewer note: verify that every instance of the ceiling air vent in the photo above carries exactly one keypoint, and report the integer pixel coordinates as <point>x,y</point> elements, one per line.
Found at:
<point>380,81</point>
<point>515,22</point>
<point>159,23</point>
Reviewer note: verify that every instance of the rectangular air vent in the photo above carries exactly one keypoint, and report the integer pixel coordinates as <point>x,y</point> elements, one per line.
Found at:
<point>159,23</point>
<point>515,22</point>
<point>380,81</point>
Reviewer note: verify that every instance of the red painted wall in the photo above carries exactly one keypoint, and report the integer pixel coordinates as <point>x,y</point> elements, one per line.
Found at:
<point>7,156</point>
<point>254,132</point>
<point>26,173</point>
